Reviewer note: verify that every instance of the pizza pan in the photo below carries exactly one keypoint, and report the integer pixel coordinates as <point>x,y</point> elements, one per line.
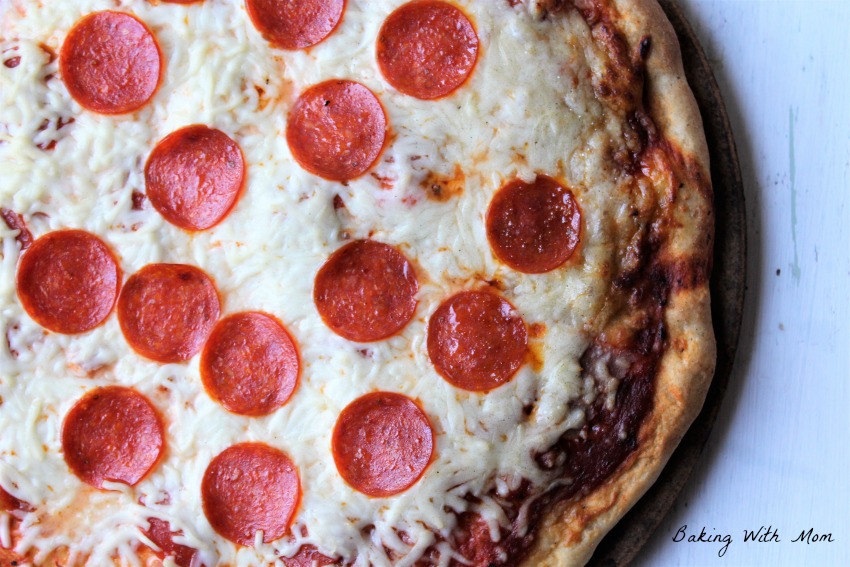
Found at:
<point>728,280</point>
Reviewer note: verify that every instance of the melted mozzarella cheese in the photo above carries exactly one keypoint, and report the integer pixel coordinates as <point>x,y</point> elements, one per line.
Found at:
<point>528,108</point>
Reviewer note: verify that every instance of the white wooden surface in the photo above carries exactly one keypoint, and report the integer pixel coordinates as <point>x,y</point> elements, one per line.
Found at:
<point>780,453</point>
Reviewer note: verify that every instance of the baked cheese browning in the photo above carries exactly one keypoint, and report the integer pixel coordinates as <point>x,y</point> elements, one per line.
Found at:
<point>194,175</point>
<point>382,444</point>
<point>110,62</point>
<point>112,434</point>
<point>534,227</point>
<point>366,291</point>
<point>251,488</point>
<point>167,311</point>
<point>427,48</point>
<point>295,24</point>
<point>68,281</point>
<point>250,364</point>
<point>337,130</point>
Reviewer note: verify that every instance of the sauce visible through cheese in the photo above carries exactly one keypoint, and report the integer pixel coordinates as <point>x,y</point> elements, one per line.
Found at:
<point>321,446</point>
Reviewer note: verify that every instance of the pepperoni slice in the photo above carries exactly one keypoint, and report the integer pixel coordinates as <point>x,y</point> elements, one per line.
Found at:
<point>476,340</point>
<point>112,434</point>
<point>382,444</point>
<point>336,130</point>
<point>159,532</point>
<point>250,364</point>
<point>427,49</point>
<point>110,63</point>
<point>167,311</point>
<point>68,281</point>
<point>534,227</point>
<point>366,291</point>
<point>295,24</point>
<point>194,176</point>
<point>250,487</point>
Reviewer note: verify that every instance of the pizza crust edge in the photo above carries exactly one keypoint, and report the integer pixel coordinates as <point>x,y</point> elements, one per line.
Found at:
<point>571,530</point>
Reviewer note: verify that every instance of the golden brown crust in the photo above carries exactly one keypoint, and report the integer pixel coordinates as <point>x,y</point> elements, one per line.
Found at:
<point>671,102</point>
<point>571,531</point>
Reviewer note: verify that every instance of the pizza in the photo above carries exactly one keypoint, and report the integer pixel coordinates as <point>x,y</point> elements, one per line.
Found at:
<point>328,282</point>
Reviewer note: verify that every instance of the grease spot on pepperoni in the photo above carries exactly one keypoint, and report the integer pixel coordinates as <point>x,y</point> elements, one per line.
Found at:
<point>476,340</point>
<point>250,487</point>
<point>427,49</point>
<point>336,130</point>
<point>110,63</point>
<point>295,24</point>
<point>68,281</point>
<point>112,434</point>
<point>194,176</point>
<point>534,227</point>
<point>159,532</point>
<point>366,291</point>
<point>382,444</point>
<point>167,311</point>
<point>250,364</point>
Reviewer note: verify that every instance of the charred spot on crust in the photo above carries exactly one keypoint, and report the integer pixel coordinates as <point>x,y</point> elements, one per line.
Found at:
<point>645,46</point>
